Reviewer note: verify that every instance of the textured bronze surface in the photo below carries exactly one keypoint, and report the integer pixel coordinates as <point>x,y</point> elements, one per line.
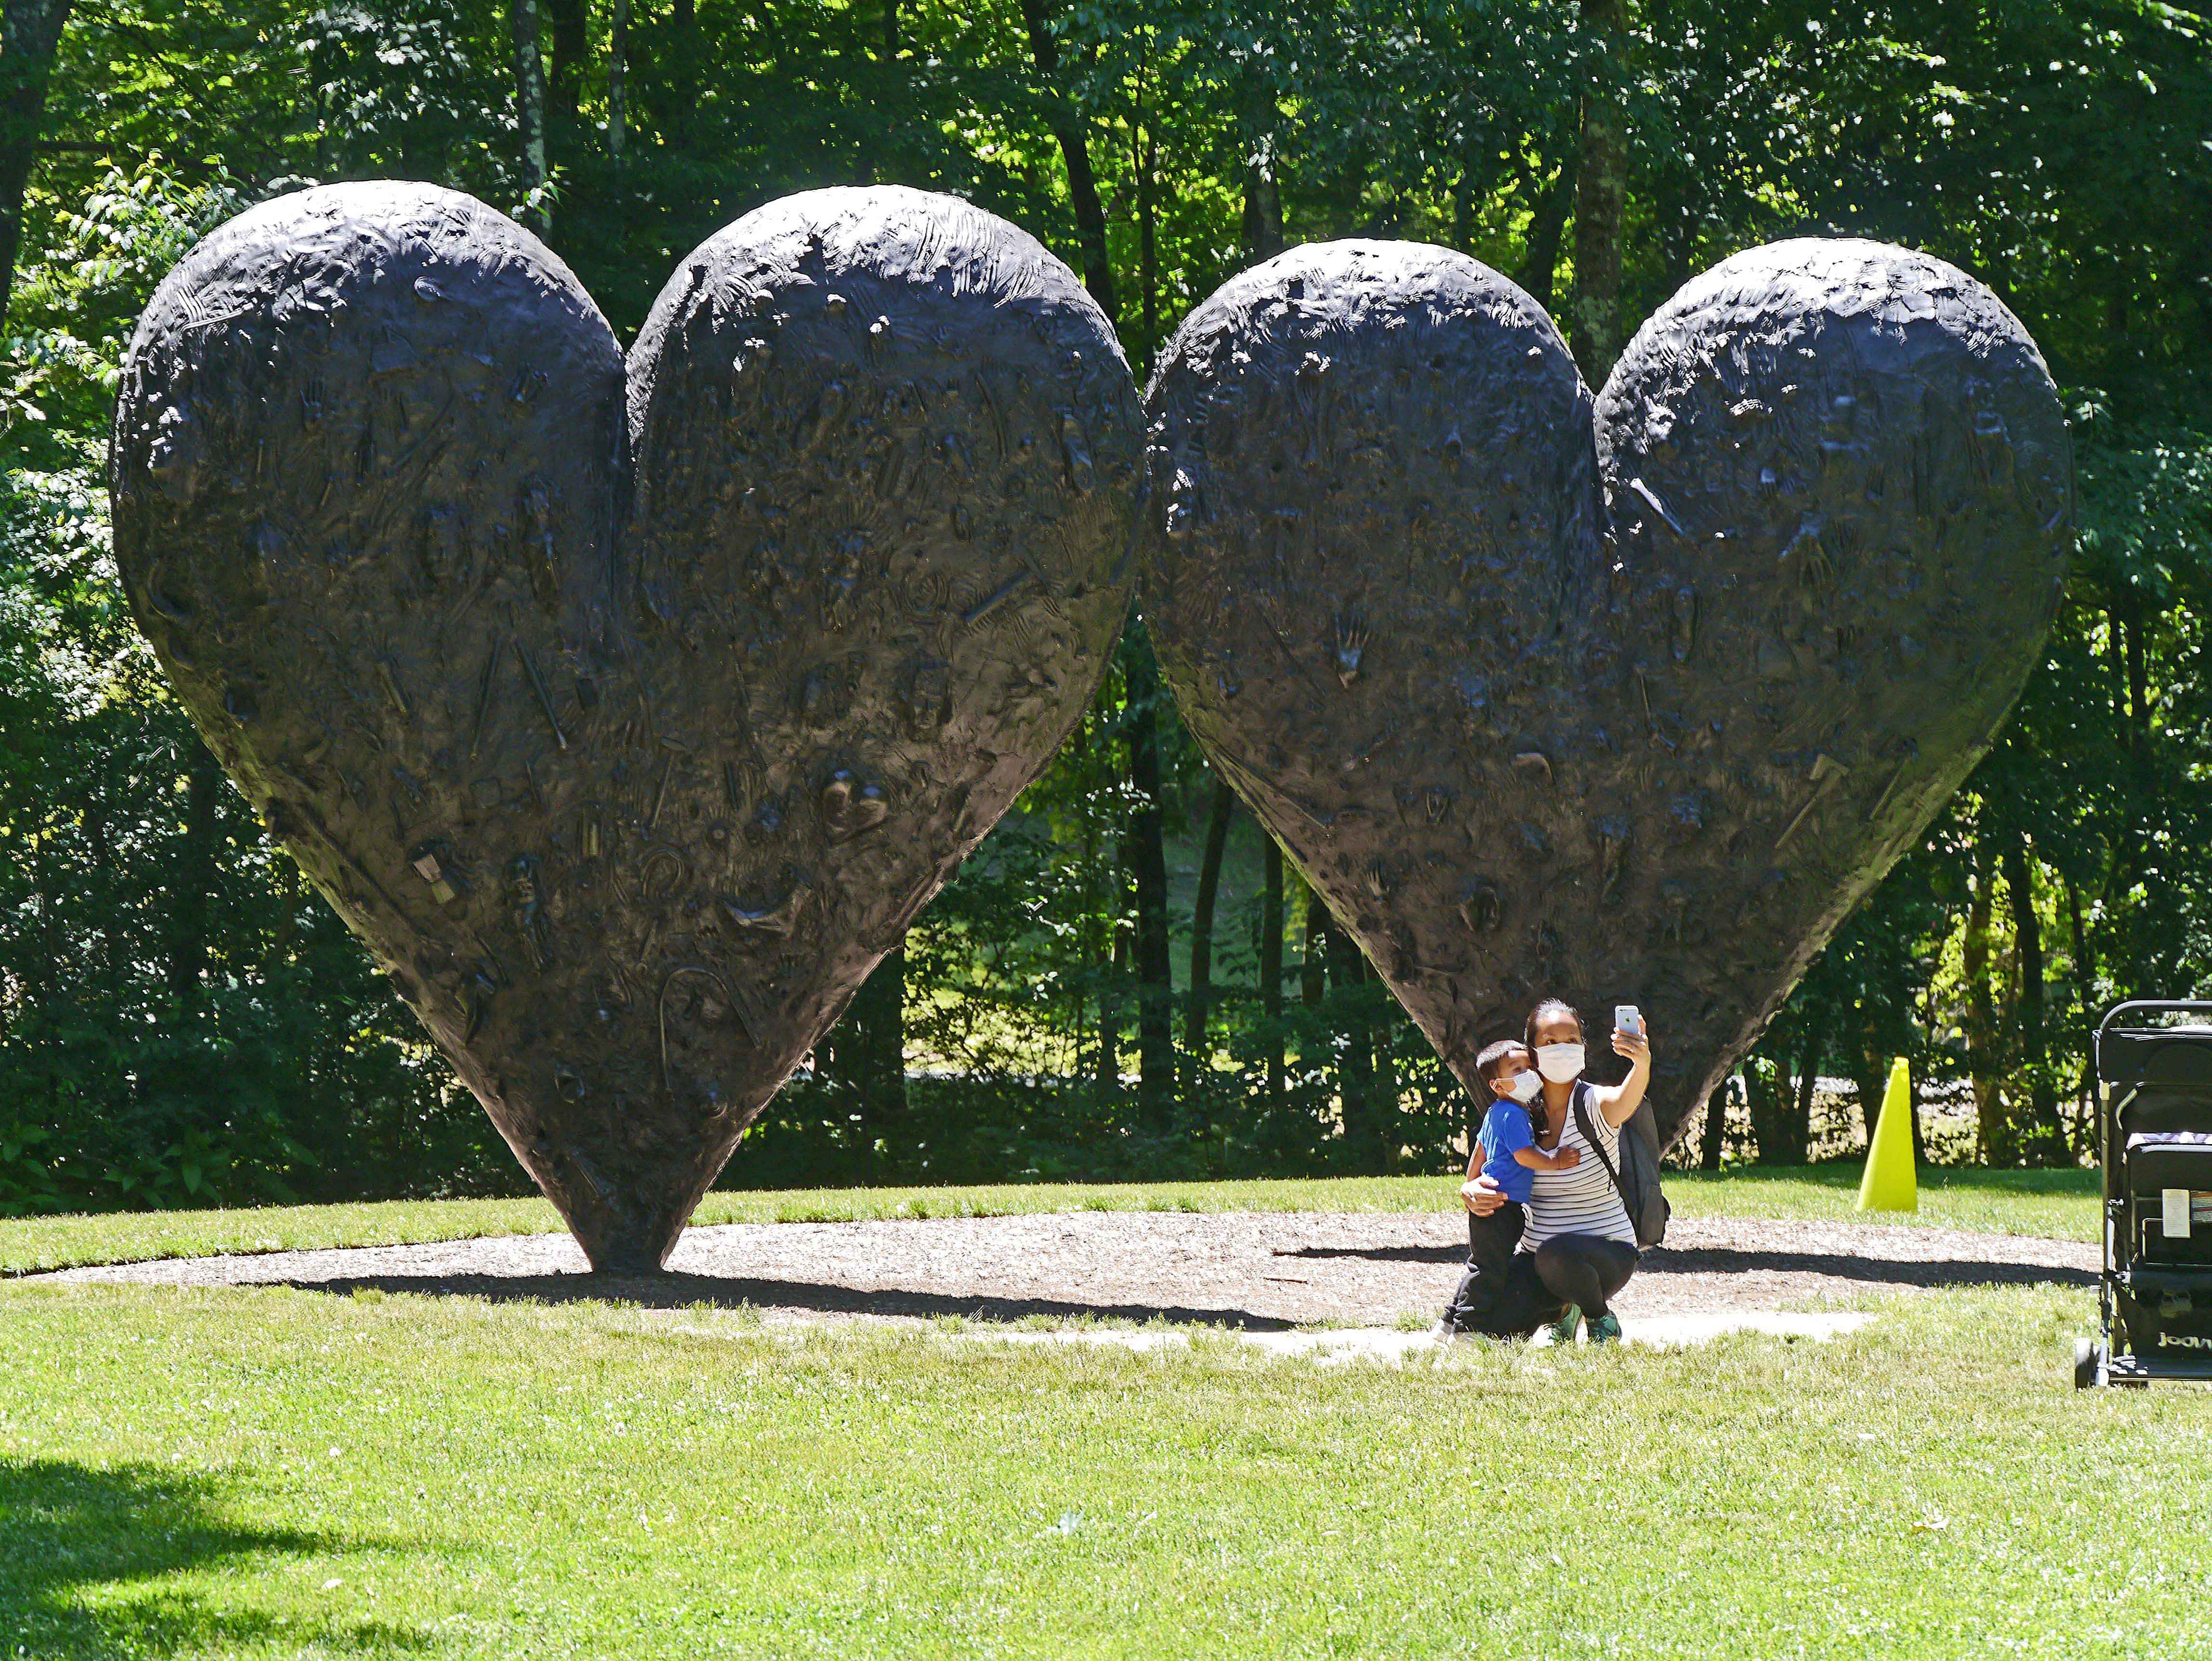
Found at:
<point>629,718</point>
<point>1626,704</point>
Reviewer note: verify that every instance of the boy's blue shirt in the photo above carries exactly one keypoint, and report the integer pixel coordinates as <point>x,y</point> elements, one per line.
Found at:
<point>1505,1130</point>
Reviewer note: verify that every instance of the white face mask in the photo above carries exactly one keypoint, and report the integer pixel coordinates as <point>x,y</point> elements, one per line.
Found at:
<point>1561,1063</point>
<point>1527,1086</point>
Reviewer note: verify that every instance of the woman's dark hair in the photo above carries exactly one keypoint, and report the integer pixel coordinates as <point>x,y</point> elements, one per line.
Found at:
<point>1550,1009</point>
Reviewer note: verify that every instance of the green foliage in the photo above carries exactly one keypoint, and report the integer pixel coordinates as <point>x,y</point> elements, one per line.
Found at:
<point>181,1020</point>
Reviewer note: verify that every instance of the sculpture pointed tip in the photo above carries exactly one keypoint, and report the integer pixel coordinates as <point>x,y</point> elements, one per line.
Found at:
<point>622,1237</point>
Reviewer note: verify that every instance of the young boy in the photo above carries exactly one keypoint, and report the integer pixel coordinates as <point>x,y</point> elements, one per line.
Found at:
<point>1505,1151</point>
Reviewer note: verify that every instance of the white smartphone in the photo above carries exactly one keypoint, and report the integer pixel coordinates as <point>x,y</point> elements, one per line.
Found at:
<point>1627,1018</point>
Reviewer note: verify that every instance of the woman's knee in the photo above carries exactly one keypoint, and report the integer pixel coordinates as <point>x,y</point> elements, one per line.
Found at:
<point>1620,1263</point>
<point>1562,1266</point>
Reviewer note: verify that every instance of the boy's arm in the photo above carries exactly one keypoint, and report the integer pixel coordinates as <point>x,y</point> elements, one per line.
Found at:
<point>1535,1158</point>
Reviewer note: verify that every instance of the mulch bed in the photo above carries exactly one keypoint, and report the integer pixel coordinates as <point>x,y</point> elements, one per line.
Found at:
<point>1262,1271</point>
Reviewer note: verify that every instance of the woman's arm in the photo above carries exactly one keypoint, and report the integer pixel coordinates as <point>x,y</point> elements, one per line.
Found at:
<point>1482,1195</point>
<point>1618,1102</point>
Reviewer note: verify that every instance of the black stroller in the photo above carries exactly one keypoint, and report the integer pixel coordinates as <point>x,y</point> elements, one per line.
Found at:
<point>2154,1142</point>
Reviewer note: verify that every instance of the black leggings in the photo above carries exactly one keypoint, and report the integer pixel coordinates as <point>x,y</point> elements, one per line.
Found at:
<point>1585,1271</point>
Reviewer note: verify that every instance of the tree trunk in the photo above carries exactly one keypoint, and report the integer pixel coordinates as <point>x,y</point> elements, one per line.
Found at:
<point>530,103</point>
<point>1599,193</point>
<point>1075,151</point>
<point>1263,198</point>
<point>683,82</point>
<point>881,1005</point>
<point>2117,651</point>
<point>2046,1133</point>
<point>1148,866</point>
<point>97,815</point>
<point>571,44</point>
<point>1994,1141</point>
<point>2085,978</point>
<point>192,877</point>
<point>2084,954</point>
<point>1312,987</point>
<point>1798,1130</point>
<point>1263,239</point>
<point>1355,1067</point>
<point>618,76</point>
<point>1763,1080</point>
<point>1776,1125</point>
<point>30,31</point>
<point>2131,628</point>
<point>1105,1061</point>
<point>1201,926</point>
<point>890,30</point>
<point>1716,1127</point>
<point>1677,240</point>
<point>1386,1105</point>
<point>861,1063</point>
<point>1856,1038</point>
<point>1145,154</point>
<point>1110,1001</point>
<point>1270,962</point>
<point>1920,1155</point>
<point>1539,266</point>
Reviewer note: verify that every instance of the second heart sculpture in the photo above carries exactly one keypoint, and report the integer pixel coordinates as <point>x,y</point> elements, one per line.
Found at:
<point>627,713</point>
<point>1624,699</point>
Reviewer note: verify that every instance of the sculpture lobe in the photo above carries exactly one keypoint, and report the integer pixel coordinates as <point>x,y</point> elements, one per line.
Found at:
<point>1629,703</point>
<point>628,717</point>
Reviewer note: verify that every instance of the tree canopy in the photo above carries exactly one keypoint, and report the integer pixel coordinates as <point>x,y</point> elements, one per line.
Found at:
<point>1125,980</point>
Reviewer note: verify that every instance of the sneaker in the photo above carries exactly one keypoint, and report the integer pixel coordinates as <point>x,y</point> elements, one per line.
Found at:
<point>1563,1331</point>
<point>1605,1329</point>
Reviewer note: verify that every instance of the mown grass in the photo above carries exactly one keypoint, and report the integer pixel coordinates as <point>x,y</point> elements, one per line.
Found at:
<point>265,1473</point>
<point>2057,1203</point>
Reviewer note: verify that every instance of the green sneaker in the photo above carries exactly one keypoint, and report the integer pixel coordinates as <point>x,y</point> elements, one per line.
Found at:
<point>1605,1329</point>
<point>1563,1331</point>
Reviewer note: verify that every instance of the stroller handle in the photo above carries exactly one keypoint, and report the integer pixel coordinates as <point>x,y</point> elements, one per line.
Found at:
<point>2162,1006</point>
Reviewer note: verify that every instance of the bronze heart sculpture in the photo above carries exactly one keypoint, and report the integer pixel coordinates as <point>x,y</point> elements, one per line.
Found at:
<point>1626,703</point>
<point>629,718</point>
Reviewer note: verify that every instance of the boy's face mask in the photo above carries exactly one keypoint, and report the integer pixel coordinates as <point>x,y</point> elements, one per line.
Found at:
<point>1559,1062</point>
<point>1526,1086</point>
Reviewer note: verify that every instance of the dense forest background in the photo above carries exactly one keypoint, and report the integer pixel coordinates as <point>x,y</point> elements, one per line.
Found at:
<point>1124,981</point>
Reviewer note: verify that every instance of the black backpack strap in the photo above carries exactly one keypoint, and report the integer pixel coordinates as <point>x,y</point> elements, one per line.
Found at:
<point>1590,1134</point>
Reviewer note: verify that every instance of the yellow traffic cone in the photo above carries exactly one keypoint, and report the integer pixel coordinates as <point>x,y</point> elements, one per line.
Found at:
<point>1890,1183</point>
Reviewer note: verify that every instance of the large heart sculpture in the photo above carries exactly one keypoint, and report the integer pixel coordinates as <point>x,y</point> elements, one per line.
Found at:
<point>628,718</point>
<point>1627,703</point>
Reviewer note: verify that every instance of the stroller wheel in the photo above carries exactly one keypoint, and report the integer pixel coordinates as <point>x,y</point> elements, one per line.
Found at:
<point>2088,1364</point>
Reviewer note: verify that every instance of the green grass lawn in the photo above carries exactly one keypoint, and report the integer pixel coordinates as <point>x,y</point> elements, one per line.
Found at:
<point>2059,1203</point>
<point>278,1473</point>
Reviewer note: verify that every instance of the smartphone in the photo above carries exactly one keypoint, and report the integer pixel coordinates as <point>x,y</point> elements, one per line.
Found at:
<point>1627,1018</point>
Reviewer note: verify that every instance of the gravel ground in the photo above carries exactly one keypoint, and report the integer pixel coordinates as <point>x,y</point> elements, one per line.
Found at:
<point>1259,1271</point>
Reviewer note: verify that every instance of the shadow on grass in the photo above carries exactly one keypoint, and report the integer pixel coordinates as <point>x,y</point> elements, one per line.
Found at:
<point>676,1291</point>
<point>84,1550</point>
<point>1723,1260</point>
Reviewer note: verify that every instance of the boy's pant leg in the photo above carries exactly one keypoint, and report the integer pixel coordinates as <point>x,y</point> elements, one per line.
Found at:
<point>1523,1303</point>
<point>1491,1244</point>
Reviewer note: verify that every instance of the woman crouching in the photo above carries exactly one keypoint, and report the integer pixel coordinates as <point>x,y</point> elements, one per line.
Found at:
<point>1578,1234</point>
